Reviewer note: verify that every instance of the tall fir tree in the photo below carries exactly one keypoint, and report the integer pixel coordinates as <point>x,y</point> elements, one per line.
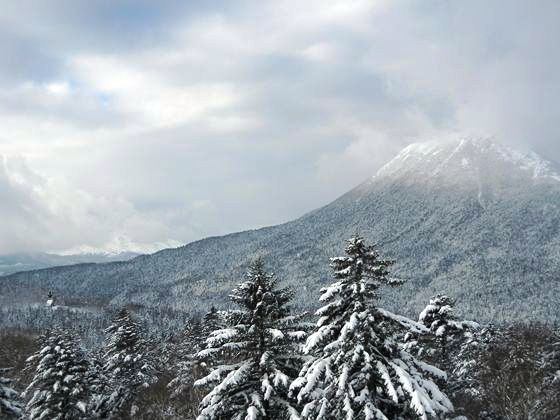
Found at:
<point>127,366</point>
<point>10,406</point>
<point>59,389</point>
<point>258,354</point>
<point>359,370</point>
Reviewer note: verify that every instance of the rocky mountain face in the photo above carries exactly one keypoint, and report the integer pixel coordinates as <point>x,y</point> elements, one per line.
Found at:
<point>470,218</point>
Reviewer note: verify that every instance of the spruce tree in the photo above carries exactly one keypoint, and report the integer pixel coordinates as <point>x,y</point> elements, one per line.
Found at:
<point>211,322</point>
<point>98,382</point>
<point>10,407</point>
<point>359,370</point>
<point>438,316</point>
<point>186,368</point>
<point>257,354</point>
<point>59,390</point>
<point>469,367</point>
<point>443,342</point>
<point>128,367</point>
<point>447,332</point>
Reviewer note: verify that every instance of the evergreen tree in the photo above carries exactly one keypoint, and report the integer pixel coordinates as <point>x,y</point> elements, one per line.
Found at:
<point>128,367</point>
<point>59,390</point>
<point>469,369</point>
<point>186,368</point>
<point>98,382</point>
<point>447,332</point>
<point>502,373</point>
<point>257,353</point>
<point>359,370</point>
<point>438,316</point>
<point>549,407</point>
<point>10,406</point>
<point>443,342</point>
<point>211,322</point>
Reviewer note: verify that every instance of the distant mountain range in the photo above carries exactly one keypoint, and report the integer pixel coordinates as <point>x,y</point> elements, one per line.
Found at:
<point>470,218</point>
<point>14,263</point>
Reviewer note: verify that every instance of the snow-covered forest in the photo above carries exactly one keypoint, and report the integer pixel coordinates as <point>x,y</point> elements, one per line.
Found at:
<point>259,358</point>
<point>279,210</point>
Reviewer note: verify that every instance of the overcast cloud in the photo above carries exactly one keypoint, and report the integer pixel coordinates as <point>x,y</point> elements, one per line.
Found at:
<point>139,125</point>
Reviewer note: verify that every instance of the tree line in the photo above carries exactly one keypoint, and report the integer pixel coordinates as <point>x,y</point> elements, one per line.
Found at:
<point>352,359</point>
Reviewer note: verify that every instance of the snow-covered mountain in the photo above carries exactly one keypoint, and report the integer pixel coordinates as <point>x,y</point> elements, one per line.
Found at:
<point>13,263</point>
<point>470,218</point>
<point>465,160</point>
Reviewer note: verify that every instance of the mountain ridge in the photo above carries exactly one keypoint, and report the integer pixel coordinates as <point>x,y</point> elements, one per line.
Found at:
<point>18,262</point>
<point>497,252</point>
<point>469,152</point>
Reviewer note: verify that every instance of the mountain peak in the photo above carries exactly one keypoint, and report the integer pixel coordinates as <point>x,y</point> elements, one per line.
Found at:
<point>464,159</point>
<point>465,218</point>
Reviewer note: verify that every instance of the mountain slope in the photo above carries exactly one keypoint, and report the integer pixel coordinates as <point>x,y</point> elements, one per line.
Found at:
<point>469,218</point>
<point>14,263</point>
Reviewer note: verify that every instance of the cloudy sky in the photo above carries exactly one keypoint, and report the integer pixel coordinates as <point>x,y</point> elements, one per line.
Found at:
<point>139,125</point>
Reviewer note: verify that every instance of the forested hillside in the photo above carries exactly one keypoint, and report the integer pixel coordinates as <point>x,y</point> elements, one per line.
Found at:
<point>14,263</point>
<point>264,359</point>
<point>471,219</point>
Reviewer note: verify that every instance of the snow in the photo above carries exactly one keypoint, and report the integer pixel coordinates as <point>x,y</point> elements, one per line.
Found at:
<point>539,167</point>
<point>405,322</point>
<point>472,157</point>
<point>432,370</point>
<point>424,148</point>
<point>266,387</point>
<point>275,334</point>
<point>427,310</point>
<point>252,413</point>
<point>280,379</point>
<point>81,406</point>
<point>388,383</point>
<point>314,339</point>
<point>117,247</point>
<point>313,376</point>
<point>221,336</point>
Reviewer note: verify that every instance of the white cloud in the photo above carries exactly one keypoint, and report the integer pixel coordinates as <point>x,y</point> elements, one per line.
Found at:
<point>58,88</point>
<point>136,91</point>
<point>151,128</point>
<point>48,214</point>
<point>321,51</point>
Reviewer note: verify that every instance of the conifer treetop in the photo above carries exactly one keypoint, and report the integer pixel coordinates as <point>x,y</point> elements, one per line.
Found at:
<point>254,359</point>
<point>128,366</point>
<point>439,317</point>
<point>362,265</point>
<point>59,389</point>
<point>358,367</point>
